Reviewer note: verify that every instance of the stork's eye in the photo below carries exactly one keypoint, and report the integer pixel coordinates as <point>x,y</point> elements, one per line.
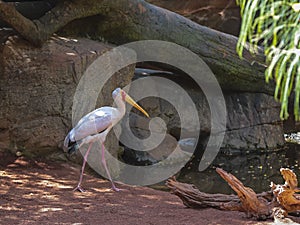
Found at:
<point>123,94</point>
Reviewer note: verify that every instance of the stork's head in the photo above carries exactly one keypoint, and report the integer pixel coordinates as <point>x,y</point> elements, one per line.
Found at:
<point>120,94</point>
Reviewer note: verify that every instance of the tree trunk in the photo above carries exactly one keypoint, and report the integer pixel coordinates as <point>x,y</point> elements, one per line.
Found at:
<point>122,21</point>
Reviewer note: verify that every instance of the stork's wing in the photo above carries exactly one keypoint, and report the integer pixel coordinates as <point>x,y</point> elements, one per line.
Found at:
<point>92,123</point>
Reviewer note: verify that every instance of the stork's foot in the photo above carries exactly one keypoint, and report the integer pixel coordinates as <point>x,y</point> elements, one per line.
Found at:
<point>79,188</point>
<point>114,188</point>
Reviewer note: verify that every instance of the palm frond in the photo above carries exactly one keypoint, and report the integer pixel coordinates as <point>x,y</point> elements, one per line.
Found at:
<point>275,24</point>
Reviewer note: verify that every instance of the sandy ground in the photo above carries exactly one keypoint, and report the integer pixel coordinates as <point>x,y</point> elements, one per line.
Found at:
<point>39,192</point>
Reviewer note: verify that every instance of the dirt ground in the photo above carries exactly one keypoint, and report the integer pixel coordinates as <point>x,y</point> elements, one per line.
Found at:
<point>36,192</point>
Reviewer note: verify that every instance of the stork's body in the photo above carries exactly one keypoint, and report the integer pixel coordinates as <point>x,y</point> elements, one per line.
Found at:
<point>95,126</point>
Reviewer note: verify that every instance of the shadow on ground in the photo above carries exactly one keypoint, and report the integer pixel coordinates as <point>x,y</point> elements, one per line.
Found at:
<point>39,192</point>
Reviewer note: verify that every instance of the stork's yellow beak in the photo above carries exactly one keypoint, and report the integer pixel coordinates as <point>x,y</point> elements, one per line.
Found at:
<point>135,105</point>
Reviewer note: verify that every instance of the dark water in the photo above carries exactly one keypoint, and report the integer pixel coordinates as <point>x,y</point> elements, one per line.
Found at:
<point>254,170</point>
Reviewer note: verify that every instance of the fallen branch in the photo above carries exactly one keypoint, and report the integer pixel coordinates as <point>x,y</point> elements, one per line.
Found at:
<point>251,203</point>
<point>122,21</point>
<point>193,198</point>
<point>278,202</point>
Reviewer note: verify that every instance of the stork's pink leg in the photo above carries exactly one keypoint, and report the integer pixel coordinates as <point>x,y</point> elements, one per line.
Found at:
<point>79,188</point>
<point>106,169</point>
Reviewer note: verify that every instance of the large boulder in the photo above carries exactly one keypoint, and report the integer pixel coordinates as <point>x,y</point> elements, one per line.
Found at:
<point>37,89</point>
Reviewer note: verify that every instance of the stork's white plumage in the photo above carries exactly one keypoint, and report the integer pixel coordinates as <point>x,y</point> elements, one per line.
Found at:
<point>95,126</point>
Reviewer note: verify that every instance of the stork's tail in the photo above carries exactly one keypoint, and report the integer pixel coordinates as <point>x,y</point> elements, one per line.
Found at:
<point>70,146</point>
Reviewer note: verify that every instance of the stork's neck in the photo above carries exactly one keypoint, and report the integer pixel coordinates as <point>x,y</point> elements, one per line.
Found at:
<point>121,106</point>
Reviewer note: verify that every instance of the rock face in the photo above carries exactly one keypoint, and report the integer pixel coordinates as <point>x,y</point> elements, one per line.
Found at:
<point>37,89</point>
<point>253,123</point>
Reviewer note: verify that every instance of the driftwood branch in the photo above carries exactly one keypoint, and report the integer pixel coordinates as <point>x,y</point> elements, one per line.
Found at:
<point>286,194</point>
<point>123,21</point>
<point>251,203</point>
<point>193,198</point>
<point>38,31</point>
<point>278,202</point>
